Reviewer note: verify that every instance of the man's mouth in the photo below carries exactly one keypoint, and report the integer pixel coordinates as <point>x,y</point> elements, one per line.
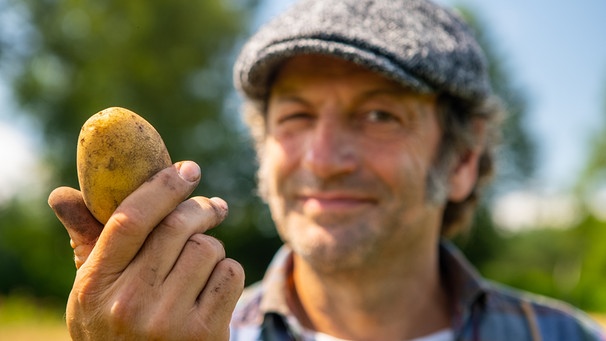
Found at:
<point>334,201</point>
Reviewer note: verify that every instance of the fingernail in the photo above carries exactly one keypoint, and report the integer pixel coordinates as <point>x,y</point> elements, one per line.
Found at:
<point>221,204</point>
<point>189,171</point>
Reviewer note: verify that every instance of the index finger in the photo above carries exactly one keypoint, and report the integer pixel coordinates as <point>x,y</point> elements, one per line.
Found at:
<point>131,223</point>
<point>68,205</point>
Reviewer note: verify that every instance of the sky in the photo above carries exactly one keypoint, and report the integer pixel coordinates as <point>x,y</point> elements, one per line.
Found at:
<point>556,50</point>
<point>20,165</point>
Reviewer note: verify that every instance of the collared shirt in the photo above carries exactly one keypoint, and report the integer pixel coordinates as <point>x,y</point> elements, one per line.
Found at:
<point>483,310</point>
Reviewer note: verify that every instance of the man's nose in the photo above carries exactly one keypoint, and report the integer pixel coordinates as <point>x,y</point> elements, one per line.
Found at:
<point>330,149</point>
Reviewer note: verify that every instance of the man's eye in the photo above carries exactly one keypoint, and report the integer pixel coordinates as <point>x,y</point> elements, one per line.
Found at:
<point>381,124</point>
<point>379,116</point>
<point>297,116</point>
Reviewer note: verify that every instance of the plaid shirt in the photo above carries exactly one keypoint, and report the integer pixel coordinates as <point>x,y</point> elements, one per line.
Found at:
<point>483,310</point>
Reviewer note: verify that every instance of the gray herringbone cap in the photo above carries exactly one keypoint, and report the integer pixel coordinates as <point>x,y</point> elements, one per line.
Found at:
<point>416,42</point>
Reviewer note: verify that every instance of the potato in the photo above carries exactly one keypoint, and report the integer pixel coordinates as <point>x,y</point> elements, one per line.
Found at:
<point>117,151</point>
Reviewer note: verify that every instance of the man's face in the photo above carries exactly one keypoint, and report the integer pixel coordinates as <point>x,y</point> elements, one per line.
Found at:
<point>345,163</point>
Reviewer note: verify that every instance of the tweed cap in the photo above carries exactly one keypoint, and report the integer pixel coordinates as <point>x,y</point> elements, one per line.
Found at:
<point>415,42</point>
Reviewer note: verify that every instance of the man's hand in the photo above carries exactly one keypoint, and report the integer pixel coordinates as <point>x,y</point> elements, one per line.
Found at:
<point>151,273</point>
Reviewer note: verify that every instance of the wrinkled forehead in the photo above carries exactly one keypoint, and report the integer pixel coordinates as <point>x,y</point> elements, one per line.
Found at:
<point>299,70</point>
<point>317,80</point>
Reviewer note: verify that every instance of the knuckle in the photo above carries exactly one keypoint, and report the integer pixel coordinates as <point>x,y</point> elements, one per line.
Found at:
<point>195,215</point>
<point>206,247</point>
<point>123,312</point>
<point>87,293</point>
<point>176,221</point>
<point>126,220</point>
<point>81,253</point>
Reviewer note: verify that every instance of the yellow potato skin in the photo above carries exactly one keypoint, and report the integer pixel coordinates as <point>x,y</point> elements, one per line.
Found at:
<point>117,151</point>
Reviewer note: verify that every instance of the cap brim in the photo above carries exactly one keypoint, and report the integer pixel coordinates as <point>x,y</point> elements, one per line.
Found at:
<point>256,82</point>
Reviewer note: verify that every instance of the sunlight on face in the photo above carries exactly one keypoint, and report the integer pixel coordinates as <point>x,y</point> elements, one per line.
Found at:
<point>345,162</point>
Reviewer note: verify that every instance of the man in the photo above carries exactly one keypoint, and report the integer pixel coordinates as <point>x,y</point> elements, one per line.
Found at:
<point>374,124</point>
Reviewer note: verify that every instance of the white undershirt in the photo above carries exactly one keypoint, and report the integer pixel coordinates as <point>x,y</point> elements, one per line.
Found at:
<point>442,335</point>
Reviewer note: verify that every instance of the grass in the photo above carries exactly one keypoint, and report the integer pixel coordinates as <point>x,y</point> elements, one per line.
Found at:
<point>25,319</point>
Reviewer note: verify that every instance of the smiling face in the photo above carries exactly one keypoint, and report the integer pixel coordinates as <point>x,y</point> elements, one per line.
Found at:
<point>345,162</point>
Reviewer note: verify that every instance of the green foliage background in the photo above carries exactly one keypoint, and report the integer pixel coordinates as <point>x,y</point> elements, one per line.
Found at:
<point>568,264</point>
<point>171,62</point>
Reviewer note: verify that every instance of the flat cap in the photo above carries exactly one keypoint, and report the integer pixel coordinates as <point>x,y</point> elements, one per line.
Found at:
<point>423,46</point>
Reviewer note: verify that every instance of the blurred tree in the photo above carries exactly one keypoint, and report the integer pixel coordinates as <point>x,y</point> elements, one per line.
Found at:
<point>591,231</point>
<point>593,177</point>
<point>588,291</point>
<point>34,258</point>
<point>569,263</point>
<point>516,155</point>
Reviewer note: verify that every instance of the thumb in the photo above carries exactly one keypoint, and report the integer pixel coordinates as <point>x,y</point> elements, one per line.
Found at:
<point>82,227</point>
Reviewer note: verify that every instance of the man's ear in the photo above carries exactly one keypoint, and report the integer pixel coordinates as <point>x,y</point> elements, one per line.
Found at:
<point>464,174</point>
